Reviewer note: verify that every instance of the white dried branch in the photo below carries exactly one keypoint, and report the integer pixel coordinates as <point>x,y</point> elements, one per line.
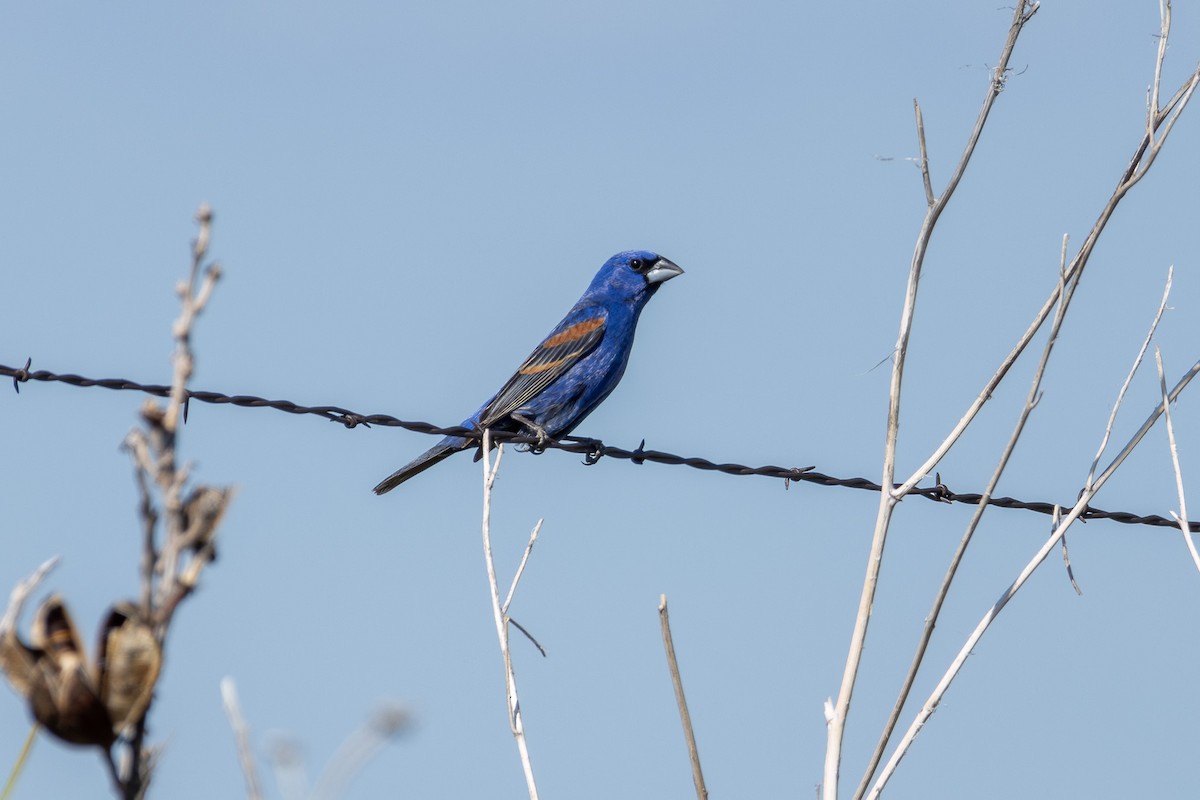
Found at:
<point>1181,517</point>
<point>1141,161</point>
<point>521,568</point>
<point>923,164</point>
<point>1164,13</point>
<point>515,721</point>
<point>192,302</point>
<point>241,736</point>
<point>21,592</point>
<point>1066,293</point>
<point>386,722</point>
<point>1158,120</point>
<point>680,700</point>
<point>285,756</point>
<point>1137,363</point>
<point>171,561</point>
<point>1164,117</point>
<point>1084,500</point>
<point>836,723</point>
<point>1066,556</point>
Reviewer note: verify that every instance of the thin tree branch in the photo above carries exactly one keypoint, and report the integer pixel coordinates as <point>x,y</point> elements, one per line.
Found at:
<point>1065,555</point>
<point>1141,161</point>
<point>19,764</point>
<point>287,765</point>
<point>1164,14</point>
<point>1067,293</point>
<point>21,592</point>
<point>527,635</point>
<point>1181,517</point>
<point>515,722</point>
<point>241,736</point>
<point>1137,363</point>
<point>170,567</point>
<point>924,165</point>
<point>521,571</point>
<point>387,722</point>
<point>956,666</point>
<point>8,638</point>
<point>836,721</point>
<point>684,717</point>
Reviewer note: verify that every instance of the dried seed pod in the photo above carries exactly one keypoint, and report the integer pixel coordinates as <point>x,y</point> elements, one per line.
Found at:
<point>19,662</point>
<point>128,660</point>
<point>54,677</point>
<point>202,513</point>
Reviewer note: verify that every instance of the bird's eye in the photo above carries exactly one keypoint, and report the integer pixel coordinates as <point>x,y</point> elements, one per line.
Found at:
<point>638,264</point>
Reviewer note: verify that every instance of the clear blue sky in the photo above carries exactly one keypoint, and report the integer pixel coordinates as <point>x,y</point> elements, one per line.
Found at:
<point>409,196</point>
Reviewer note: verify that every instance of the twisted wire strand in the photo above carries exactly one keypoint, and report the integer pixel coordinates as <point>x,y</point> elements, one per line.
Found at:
<point>592,449</point>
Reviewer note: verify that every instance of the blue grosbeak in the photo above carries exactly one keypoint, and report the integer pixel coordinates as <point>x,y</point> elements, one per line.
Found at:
<point>573,369</point>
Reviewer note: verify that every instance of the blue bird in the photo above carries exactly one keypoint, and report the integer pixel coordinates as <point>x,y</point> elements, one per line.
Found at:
<point>573,369</point>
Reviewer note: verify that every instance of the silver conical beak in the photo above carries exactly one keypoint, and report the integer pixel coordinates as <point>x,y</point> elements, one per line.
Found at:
<point>663,270</point>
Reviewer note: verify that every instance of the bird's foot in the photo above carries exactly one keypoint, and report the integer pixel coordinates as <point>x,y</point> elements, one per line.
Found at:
<point>595,447</point>
<point>537,430</point>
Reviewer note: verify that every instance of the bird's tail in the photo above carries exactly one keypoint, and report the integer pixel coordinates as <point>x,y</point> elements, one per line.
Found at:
<point>440,451</point>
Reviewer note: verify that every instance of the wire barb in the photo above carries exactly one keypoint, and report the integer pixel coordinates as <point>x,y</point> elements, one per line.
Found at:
<point>21,375</point>
<point>592,449</point>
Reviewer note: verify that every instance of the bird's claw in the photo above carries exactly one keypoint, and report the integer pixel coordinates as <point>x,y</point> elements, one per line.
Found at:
<point>595,450</point>
<point>543,438</point>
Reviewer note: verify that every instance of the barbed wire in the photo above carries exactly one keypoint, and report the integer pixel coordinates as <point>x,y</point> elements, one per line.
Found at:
<point>592,449</point>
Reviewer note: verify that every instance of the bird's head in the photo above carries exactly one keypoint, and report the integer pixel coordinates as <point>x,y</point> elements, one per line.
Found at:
<point>634,274</point>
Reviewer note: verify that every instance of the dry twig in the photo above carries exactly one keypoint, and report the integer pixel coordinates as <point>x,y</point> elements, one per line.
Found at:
<point>500,612</point>
<point>104,702</point>
<point>1182,515</point>
<point>684,717</point>
<point>172,561</point>
<point>1137,363</point>
<point>1159,125</point>
<point>836,714</point>
<point>388,721</point>
<point>241,736</point>
<point>1066,294</point>
<point>956,666</point>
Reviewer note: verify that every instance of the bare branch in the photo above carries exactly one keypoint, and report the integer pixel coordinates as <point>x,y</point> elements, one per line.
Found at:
<point>1164,13</point>
<point>171,563</point>
<point>524,631</point>
<point>956,666</point>
<point>1066,294</point>
<point>688,733</point>
<point>21,760</point>
<point>516,724</point>
<point>21,592</point>
<point>1181,517</point>
<point>1137,363</point>
<point>887,500</point>
<point>387,722</point>
<point>1066,555</point>
<point>521,571</point>
<point>241,735</point>
<point>1140,163</point>
<point>287,763</point>
<point>924,165</point>
<point>193,303</point>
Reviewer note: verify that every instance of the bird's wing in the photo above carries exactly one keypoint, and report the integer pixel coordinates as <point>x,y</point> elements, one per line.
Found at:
<point>570,341</point>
